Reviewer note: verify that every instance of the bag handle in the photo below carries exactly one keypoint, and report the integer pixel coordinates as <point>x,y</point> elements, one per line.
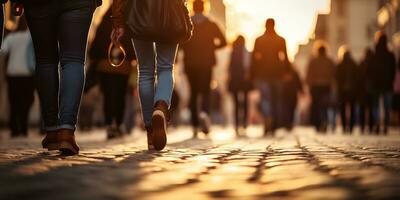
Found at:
<point>110,47</point>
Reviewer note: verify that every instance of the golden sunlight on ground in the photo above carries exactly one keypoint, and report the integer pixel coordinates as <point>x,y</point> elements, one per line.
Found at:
<point>295,19</point>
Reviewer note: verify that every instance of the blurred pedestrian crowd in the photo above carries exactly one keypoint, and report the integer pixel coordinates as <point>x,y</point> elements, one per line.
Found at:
<point>364,93</point>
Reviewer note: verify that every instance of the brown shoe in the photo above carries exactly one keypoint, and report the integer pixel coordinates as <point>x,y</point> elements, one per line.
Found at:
<point>68,145</point>
<point>159,121</point>
<point>150,145</point>
<point>50,142</point>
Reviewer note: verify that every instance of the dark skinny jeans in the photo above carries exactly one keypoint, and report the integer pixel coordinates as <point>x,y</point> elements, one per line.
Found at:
<point>59,31</point>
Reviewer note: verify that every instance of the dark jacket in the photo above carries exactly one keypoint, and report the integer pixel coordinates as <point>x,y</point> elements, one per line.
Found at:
<point>320,72</point>
<point>238,69</point>
<point>365,76</point>
<point>385,69</point>
<point>98,54</point>
<point>199,51</point>
<point>96,2</point>
<point>346,76</point>
<point>292,84</point>
<point>266,64</point>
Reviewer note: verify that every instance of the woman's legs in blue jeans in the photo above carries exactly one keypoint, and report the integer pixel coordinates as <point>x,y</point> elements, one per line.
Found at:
<point>149,55</point>
<point>59,36</point>
<point>73,29</point>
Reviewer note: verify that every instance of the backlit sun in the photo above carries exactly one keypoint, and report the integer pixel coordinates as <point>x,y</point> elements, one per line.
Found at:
<point>295,19</point>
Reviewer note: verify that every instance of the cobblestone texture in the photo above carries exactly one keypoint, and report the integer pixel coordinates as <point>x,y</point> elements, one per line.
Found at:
<point>299,165</point>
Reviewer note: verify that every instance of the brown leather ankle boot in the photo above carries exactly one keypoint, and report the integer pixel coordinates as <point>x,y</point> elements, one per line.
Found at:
<point>50,142</point>
<point>67,143</point>
<point>159,121</point>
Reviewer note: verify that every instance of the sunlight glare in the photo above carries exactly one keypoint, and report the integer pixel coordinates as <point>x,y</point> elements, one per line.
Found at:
<point>295,19</point>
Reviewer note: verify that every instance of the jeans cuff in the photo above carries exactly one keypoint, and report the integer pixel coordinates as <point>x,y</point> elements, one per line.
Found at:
<point>51,128</point>
<point>67,126</point>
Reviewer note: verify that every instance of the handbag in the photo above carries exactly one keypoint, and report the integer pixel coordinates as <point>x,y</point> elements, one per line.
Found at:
<point>165,21</point>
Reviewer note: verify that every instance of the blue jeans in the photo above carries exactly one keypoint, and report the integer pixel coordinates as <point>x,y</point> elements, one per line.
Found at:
<point>155,60</point>
<point>59,31</point>
<point>387,107</point>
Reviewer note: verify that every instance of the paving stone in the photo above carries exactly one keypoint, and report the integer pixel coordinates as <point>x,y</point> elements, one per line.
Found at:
<point>298,165</point>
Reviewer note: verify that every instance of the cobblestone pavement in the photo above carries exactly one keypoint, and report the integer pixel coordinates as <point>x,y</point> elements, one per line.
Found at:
<point>298,165</point>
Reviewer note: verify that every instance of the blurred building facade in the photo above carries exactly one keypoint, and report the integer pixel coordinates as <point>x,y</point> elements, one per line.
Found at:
<point>351,22</point>
<point>388,19</point>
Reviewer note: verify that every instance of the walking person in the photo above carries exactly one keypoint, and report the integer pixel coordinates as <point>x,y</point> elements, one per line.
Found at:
<point>18,48</point>
<point>238,82</point>
<point>396,97</point>
<point>365,91</point>
<point>156,52</point>
<point>59,31</point>
<point>266,70</point>
<point>113,80</point>
<point>346,80</point>
<point>199,61</point>
<point>292,88</point>
<point>385,68</point>
<point>320,78</point>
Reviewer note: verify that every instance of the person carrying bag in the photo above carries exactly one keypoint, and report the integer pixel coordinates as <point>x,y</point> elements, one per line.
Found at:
<point>158,26</point>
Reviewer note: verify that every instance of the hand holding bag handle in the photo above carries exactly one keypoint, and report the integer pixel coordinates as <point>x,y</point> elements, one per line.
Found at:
<point>121,48</point>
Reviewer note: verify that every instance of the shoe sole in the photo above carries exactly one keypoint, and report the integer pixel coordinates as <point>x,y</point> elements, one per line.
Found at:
<point>67,149</point>
<point>159,130</point>
<point>52,147</point>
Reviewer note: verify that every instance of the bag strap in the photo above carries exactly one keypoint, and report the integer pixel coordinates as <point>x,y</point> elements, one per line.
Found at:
<point>110,47</point>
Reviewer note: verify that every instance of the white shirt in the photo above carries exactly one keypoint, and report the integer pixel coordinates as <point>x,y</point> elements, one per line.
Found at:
<point>16,46</point>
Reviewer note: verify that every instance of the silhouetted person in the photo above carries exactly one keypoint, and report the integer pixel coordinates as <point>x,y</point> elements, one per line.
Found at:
<point>199,60</point>
<point>396,97</point>
<point>113,80</point>
<point>365,90</point>
<point>266,70</point>
<point>292,87</point>
<point>238,84</point>
<point>385,64</point>
<point>346,80</point>
<point>320,78</point>
<point>20,77</point>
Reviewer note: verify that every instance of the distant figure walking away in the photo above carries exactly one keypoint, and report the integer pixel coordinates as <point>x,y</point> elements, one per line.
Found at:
<point>365,91</point>
<point>238,83</point>
<point>320,79</point>
<point>18,48</point>
<point>199,60</point>
<point>292,88</point>
<point>113,80</point>
<point>156,52</point>
<point>385,68</point>
<point>266,71</point>
<point>59,31</point>
<point>346,80</point>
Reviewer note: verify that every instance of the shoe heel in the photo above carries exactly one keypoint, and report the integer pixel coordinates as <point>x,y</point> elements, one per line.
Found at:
<point>159,130</point>
<point>67,149</point>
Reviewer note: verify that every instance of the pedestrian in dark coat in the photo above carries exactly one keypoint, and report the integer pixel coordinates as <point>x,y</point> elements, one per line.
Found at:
<point>199,60</point>
<point>266,72</point>
<point>320,79</point>
<point>292,87</point>
<point>385,70</point>
<point>238,82</point>
<point>113,80</point>
<point>365,91</point>
<point>346,80</point>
